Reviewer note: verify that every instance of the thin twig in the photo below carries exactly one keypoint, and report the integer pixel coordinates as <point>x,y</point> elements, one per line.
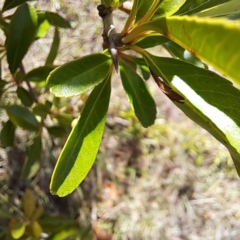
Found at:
<point>29,85</point>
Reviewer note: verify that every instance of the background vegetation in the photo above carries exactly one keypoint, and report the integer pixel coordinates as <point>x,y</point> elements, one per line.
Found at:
<point>170,181</point>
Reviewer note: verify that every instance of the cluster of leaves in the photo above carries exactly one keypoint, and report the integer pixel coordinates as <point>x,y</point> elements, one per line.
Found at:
<point>27,221</point>
<point>20,92</point>
<point>195,33</point>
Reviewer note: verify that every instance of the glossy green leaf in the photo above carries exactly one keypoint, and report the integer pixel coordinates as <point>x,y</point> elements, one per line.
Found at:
<point>54,48</point>
<point>24,96</point>
<point>22,117</point>
<point>39,74</point>
<point>151,41</point>
<point>79,76</point>
<point>18,229</point>
<point>169,7</point>
<point>138,95</point>
<point>9,4</point>
<point>22,31</point>
<point>7,134</point>
<point>217,48</point>
<point>57,131</point>
<point>56,20</point>
<point>131,17</point>
<point>178,52</point>
<point>210,100</point>
<point>80,150</point>
<point>193,6</point>
<point>228,8</point>
<point>33,159</point>
<point>143,9</point>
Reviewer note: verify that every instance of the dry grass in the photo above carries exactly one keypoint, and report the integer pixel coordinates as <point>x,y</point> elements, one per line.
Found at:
<point>170,181</point>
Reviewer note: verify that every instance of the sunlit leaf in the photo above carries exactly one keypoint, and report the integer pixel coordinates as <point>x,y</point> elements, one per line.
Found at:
<point>168,7</point>
<point>143,9</point>
<point>79,152</point>
<point>210,100</point>
<point>217,47</point>
<point>228,8</point>
<point>79,76</point>
<point>193,6</point>
<point>18,229</point>
<point>33,159</point>
<point>22,31</point>
<point>43,25</point>
<point>138,95</point>
<point>22,117</point>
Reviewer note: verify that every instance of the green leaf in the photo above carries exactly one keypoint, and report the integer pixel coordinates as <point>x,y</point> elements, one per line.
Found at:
<point>107,3</point>
<point>224,9</point>
<point>143,67</point>
<point>210,100</point>
<point>56,20</point>
<point>57,131</point>
<point>22,117</point>
<point>168,7</point>
<point>18,229</point>
<point>39,74</point>
<point>22,31</point>
<point>217,48</point>
<point>80,150</point>
<point>54,48</point>
<point>24,96</point>
<point>33,159</point>
<point>79,76</point>
<point>43,25</point>
<point>138,95</point>
<point>7,134</point>
<point>182,54</point>
<point>151,41</point>
<point>9,4</point>
<point>191,7</point>
<point>143,9</point>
